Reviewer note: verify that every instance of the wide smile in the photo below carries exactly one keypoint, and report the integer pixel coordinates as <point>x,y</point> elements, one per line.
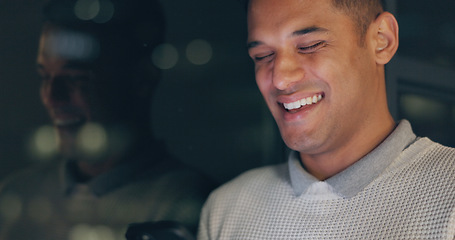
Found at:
<point>67,117</point>
<point>316,98</point>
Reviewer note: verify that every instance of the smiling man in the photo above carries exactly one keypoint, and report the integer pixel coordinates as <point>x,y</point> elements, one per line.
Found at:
<point>354,173</point>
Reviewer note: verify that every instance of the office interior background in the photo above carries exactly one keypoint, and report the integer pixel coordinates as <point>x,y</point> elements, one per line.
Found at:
<point>207,107</point>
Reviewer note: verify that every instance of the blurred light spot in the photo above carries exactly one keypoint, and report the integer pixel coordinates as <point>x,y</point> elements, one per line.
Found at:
<point>71,45</point>
<point>40,209</point>
<point>44,143</point>
<point>146,236</point>
<point>10,207</point>
<point>165,56</point>
<point>421,108</point>
<point>92,139</point>
<point>87,9</point>
<point>105,13</point>
<point>199,52</point>
<point>86,232</point>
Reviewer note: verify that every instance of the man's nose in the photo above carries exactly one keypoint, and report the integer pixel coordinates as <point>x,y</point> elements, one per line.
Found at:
<point>287,70</point>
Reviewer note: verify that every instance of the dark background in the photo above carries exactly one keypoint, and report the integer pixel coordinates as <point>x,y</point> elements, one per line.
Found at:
<point>212,116</point>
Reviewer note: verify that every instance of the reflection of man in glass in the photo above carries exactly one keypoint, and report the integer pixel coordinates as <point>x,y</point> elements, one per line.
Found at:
<point>97,81</point>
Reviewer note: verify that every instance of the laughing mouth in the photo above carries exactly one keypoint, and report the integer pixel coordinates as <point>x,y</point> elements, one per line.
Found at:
<point>303,102</point>
<point>67,116</point>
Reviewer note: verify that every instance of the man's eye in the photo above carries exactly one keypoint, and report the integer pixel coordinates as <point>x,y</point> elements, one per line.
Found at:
<point>260,58</point>
<point>312,48</point>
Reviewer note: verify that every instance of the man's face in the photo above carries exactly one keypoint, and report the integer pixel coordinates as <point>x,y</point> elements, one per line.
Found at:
<point>69,90</point>
<point>318,82</point>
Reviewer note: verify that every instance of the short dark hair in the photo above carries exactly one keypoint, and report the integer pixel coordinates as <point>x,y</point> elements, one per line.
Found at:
<point>125,42</point>
<point>362,12</point>
<point>133,30</point>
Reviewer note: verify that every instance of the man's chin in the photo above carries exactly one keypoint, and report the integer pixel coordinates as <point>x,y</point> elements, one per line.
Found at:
<point>66,139</point>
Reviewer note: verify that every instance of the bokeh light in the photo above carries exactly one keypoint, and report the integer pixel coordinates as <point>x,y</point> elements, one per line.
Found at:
<point>87,232</point>
<point>99,11</point>
<point>92,139</point>
<point>421,108</point>
<point>87,9</point>
<point>105,13</point>
<point>10,207</point>
<point>165,56</point>
<point>39,209</point>
<point>199,52</point>
<point>43,143</point>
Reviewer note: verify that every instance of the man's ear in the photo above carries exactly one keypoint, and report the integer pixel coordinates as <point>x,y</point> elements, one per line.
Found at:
<point>385,37</point>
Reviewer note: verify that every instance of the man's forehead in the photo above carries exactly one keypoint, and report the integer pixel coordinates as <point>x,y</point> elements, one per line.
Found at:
<point>68,44</point>
<point>290,6</point>
<point>279,12</point>
<point>289,18</point>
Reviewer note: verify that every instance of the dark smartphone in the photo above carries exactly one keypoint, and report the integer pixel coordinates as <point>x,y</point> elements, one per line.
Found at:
<point>162,230</point>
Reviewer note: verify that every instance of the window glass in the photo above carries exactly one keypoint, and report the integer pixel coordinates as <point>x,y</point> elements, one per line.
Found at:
<point>427,30</point>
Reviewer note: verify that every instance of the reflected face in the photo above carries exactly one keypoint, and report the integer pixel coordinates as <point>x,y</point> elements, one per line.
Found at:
<point>314,76</point>
<point>68,91</point>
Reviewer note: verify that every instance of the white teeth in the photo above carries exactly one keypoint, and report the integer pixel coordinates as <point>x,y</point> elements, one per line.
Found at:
<point>296,104</point>
<point>309,100</point>
<point>302,102</point>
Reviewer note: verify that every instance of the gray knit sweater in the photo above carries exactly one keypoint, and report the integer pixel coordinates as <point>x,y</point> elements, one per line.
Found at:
<point>404,189</point>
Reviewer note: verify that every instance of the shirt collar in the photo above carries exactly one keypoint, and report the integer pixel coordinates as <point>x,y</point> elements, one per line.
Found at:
<point>356,177</point>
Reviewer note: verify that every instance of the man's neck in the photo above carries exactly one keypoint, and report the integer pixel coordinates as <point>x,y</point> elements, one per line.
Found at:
<point>85,171</point>
<point>328,164</point>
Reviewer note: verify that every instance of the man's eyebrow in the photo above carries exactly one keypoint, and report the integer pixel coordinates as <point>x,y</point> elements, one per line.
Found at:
<point>301,32</point>
<point>253,44</point>
<point>78,66</point>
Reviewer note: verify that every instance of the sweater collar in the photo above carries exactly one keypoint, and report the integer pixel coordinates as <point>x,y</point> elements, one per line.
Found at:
<point>355,178</point>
